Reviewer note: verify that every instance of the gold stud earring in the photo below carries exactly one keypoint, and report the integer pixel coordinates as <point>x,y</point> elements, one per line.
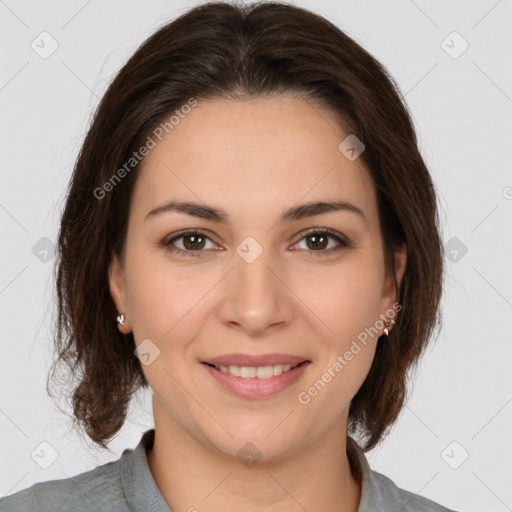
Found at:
<point>387,323</point>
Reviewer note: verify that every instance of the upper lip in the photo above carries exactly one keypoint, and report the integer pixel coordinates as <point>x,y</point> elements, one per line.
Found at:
<point>256,360</point>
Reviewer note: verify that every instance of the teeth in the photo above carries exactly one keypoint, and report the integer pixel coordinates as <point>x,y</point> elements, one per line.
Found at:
<point>247,372</point>
<point>261,372</point>
<point>233,370</point>
<point>265,372</point>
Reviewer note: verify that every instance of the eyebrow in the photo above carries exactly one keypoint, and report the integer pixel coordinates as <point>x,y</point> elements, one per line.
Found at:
<point>293,214</point>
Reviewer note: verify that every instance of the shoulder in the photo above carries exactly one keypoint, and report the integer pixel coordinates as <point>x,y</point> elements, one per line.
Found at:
<point>98,489</point>
<point>386,493</point>
<point>380,493</point>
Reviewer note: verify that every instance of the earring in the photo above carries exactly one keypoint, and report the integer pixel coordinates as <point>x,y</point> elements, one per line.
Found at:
<point>387,323</point>
<point>120,319</point>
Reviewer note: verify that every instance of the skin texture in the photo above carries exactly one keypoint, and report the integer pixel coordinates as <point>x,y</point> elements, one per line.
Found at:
<point>253,158</point>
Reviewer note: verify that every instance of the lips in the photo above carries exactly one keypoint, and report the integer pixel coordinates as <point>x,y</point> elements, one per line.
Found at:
<point>254,360</point>
<point>259,382</point>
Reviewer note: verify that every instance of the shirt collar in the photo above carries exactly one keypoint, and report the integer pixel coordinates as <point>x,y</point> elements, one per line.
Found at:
<point>378,492</point>
<point>138,483</point>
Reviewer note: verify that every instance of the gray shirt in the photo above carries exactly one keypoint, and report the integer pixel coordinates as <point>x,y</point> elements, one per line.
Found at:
<point>127,485</point>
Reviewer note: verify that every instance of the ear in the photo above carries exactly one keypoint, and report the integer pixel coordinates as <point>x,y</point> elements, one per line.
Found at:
<point>389,292</point>
<point>117,284</point>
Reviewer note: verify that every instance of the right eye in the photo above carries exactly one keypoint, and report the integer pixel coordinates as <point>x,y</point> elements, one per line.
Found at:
<point>193,242</point>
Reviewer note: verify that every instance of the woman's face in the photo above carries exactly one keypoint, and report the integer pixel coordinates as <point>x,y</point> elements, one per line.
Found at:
<point>258,283</point>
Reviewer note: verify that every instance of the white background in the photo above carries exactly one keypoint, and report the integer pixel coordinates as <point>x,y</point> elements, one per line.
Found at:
<point>462,108</point>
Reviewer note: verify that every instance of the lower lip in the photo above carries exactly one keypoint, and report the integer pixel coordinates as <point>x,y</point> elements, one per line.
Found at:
<point>254,387</point>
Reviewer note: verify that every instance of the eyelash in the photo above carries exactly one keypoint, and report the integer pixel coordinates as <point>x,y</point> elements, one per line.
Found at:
<point>314,231</point>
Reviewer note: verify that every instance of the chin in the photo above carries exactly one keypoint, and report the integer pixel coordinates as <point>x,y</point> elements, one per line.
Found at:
<point>255,440</point>
<point>258,450</point>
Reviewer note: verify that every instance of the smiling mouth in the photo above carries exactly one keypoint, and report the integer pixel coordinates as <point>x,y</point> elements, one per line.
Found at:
<point>259,372</point>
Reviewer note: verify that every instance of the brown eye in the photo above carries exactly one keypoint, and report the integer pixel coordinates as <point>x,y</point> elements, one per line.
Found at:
<point>190,243</point>
<point>319,241</point>
<point>193,242</point>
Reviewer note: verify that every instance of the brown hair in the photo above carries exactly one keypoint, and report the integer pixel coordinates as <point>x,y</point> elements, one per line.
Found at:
<point>228,51</point>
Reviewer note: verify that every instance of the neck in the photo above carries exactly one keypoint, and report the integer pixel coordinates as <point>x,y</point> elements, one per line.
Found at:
<point>194,476</point>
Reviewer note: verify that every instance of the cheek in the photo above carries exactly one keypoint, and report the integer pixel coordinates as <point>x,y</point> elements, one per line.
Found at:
<point>345,298</point>
<point>166,306</point>
<point>347,303</point>
<point>162,298</point>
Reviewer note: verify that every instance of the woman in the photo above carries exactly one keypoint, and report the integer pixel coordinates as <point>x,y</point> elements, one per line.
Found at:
<point>250,231</point>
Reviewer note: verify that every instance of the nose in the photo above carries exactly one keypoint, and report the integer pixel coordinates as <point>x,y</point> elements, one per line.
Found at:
<point>256,299</point>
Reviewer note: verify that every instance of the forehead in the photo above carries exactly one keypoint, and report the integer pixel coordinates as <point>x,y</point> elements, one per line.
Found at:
<point>260,153</point>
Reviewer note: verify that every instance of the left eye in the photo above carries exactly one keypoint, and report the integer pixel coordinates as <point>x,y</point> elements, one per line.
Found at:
<point>319,241</point>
